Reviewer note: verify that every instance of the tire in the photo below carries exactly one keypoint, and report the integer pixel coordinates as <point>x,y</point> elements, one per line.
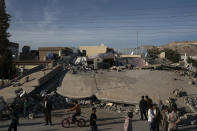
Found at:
<point>65,123</point>
<point>81,123</point>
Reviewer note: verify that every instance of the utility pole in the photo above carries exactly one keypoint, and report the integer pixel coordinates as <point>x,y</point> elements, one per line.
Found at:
<point>137,42</point>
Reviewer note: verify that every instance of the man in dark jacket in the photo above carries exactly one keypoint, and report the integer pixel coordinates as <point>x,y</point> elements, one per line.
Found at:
<point>14,119</point>
<point>149,101</point>
<point>157,118</point>
<point>47,111</point>
<point>143,107</point>
<point>93,119</point>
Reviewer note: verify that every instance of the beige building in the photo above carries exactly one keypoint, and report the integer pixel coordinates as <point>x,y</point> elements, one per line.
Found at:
<point>44,51</point>
<point>94,50</point>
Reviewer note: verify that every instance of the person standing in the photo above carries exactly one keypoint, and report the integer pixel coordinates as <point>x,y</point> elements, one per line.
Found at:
<point>26,108</point>
<point>156,119</point>
<point>128,122</point>
<point>47,111</point>
<point>14,119</point>
<point>149,102</point>
<point>143,107</point>
<point>160,105</point>
<point>164,119</point>
<point>173,119</point>
<point>150,118</point>
<point>93,119</point>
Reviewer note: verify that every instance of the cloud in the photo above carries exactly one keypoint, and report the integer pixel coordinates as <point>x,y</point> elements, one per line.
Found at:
<point>59,22</point>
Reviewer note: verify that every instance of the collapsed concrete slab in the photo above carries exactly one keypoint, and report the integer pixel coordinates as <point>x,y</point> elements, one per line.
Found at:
<point>124,87</point>
<point>77,86</point>
<point>35,80</point>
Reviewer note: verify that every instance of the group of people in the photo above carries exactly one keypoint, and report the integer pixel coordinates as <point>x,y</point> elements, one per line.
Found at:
<point>14,113</point>
<point>47,108</point>
<point>158,115</point>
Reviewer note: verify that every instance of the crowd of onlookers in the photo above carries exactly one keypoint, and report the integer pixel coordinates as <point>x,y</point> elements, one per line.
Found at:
<point>159,116</point>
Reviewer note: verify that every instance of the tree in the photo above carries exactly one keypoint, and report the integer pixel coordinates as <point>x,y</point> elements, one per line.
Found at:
<point>6,66</point>
<point>153,53</point>
<point>194,62</point>
<point>172,55</point>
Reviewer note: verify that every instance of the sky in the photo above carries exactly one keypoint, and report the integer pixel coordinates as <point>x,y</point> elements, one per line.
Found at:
<point>116,23</point>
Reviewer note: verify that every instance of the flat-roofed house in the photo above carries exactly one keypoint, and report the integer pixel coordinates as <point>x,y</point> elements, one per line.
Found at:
<point>60,51</point>
<point>94,50</point>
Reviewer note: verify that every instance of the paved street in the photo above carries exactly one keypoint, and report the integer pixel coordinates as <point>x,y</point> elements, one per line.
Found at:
<point>107,121</point>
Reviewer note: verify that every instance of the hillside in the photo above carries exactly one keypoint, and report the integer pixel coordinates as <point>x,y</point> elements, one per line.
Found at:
<point>189,47</point>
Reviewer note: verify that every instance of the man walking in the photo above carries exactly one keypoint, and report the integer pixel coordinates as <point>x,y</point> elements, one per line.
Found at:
<point>26,108</point>
<point>14,119</point>
<point>93,119</point>
<point>47,111</point>
<point>143,107</point>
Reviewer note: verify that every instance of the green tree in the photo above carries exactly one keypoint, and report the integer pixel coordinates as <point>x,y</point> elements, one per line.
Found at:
<point>6,66</point>
<point>153,53</point>
<point>194,62</point>
<point>172,55</point>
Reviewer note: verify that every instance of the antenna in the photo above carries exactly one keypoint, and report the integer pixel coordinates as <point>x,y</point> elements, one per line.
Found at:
<point>137,38</point>
<point>137,43</point>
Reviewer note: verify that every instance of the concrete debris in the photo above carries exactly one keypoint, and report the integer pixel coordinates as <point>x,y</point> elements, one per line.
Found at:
<point>179,93</point>
<point>191,82</point>
<point>115,107</point>
<point>118,68</point>
<point>31,116</point>
<point>194,122</point>
<point>191,103</point>
<point>170,100</point>
<point>19,92</point>
<point>188,119</point>
<point>109,104</point>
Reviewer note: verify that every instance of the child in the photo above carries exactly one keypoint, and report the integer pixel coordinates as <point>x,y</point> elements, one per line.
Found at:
<point>128,122</point>
<point>93,119</point>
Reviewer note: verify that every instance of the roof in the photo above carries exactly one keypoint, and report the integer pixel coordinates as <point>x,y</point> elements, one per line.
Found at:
<point>52,48</point>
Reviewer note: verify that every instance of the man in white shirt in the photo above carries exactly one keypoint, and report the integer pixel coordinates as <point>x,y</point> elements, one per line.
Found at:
<point>150,117</point>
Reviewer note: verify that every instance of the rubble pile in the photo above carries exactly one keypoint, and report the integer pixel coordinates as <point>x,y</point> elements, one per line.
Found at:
<point>190,118</point>
<point>59,102</point>
<point>192,103</point>
<point>109,106</point>
<point>179,93</point>
<point>115,107</point>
